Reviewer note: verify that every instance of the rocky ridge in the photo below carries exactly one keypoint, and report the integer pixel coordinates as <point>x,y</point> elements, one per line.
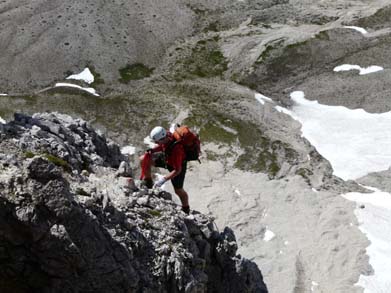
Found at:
<point>73,220</point>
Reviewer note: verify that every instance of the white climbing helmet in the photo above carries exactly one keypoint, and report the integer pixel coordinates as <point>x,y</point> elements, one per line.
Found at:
<point>158,133</point>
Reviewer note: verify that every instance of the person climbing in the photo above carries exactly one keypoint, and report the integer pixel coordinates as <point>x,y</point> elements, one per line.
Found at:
<point>169,155</point>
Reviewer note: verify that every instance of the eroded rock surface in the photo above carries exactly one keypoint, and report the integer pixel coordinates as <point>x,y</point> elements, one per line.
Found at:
<point>71,222</point>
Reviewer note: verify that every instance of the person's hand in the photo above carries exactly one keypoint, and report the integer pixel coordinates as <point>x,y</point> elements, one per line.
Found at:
<point>160,182</point>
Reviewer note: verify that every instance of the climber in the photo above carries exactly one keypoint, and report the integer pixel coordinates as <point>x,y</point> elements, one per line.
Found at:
<point>168,155</point>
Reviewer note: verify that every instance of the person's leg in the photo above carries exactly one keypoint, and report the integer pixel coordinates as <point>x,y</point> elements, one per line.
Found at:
<point>177,183</point>
<point>182,196</point>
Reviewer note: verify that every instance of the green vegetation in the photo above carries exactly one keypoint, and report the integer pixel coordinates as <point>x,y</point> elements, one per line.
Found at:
<point>53,159</point>
<point>304,172</point>
<point>28,154</point>
<point>263,161</point>
<point>270,47</point>
<point>214,132</point>
<point>134,71</point>
<point>260,153</point>
<point>97,77</point>
<point>58,162</point>
<point>323,35</point>
<point>379,20</point>
<point>211,156</point>
<point>212,27</point>
<point>155,213</point>
<point>204,60</point>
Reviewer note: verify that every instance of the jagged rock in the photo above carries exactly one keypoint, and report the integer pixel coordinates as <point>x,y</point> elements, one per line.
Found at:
<point>65,232</point>
<point>124,170</point>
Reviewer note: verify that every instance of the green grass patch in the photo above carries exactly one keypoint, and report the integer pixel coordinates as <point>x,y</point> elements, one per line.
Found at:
<point>215,133</point>
<point>265,54</point>
<point>135,71</point>
<point>97,77</point>
<point>323,35</point>
<point>268,51</point>
<point>58,162</point>
<point>204,60</point>
<point>212,27</point>
<point>304,172</point>
<point>155,213</point>
<point>28,154</point>
<point>261,154</point>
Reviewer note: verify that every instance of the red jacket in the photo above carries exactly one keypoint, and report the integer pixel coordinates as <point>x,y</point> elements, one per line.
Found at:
<point>175,156</point>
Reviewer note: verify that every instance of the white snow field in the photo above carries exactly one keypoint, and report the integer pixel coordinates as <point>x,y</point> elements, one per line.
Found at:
<point>357,28</point>
<point>356,143</point>
<point>86,89</point>
<point>375,222</point>
<point>362,71</point>
<point>269,235</point>
<point>85,76</point>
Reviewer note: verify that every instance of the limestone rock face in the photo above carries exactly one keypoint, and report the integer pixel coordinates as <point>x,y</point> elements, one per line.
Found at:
<point>70,221</point>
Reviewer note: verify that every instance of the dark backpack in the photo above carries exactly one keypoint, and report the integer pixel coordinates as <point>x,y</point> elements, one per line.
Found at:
<point>190,141</point>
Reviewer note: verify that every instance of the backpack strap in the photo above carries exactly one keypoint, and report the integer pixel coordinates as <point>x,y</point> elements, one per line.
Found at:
<point>170,147</point>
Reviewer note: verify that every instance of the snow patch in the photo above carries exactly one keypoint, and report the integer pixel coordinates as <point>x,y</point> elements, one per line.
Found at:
<point>269,235</point>
<point>85,76</point>
<point>285,111</point>
<point>3,95</point>
<point>314,285</point>
<point>314,190</point>
<point>357,28</point>
<point>128,150</point>
<point>86,89</point>
<point>2,121</point>
<point>261,98</point>
<point>345,137</point>
<point>237,191</point>
<point>363,71</point>
<point>375,222</point>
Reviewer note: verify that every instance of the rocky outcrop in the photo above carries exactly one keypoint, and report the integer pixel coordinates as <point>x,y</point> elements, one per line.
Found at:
<point>73,220</point>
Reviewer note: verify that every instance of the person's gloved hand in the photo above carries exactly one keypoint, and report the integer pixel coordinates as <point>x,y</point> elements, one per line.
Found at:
<point>160,182</point>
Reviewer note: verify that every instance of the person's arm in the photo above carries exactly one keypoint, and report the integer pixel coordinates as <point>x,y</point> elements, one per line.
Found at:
<point>177,165</point>
<point>173,173</point>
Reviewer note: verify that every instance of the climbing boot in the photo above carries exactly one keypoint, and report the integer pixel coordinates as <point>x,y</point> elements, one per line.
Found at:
<point>186,210</point>
<point>147,182</point>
